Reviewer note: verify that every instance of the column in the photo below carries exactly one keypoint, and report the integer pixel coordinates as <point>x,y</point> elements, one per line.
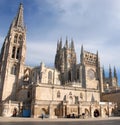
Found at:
<point>91,111</point>
<point>52,110</point>
<point>64,111</point>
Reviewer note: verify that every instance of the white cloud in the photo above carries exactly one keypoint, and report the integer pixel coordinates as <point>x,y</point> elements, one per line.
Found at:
<point>40,52</point>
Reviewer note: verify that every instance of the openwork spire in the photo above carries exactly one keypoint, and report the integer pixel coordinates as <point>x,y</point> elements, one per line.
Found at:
<point>19,21</point>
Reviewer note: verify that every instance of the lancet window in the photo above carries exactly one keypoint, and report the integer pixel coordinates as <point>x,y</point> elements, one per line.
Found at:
<point>13,52</point>
<point>13,69</point>
<point>58,94</point>
<point>15,38</point>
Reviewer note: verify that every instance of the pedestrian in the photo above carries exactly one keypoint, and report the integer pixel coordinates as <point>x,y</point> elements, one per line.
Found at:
<point>42,116</point>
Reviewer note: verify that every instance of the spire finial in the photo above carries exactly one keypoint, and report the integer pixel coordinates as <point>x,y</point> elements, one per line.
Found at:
<point>115,73</point>
<point>97,53</point>
<point>61,43</point>
<point>81,48</point>
<point>110,72</point>
<point>19,21</point>
<point>66,42</point>
<point>103,73</point>
<point>58,45</point>
<point>81,55</point>
<point>72,44</point>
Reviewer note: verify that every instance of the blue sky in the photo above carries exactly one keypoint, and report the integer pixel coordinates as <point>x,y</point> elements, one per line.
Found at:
<point>93,23</point>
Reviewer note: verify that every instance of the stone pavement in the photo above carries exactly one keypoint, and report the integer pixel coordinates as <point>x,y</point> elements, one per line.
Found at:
<point>19,119</point>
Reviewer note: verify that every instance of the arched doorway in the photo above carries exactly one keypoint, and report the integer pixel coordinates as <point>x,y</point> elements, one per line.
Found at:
<point>87,113</point>
<point>96,113</point>
<point>44,111</point>
<point>14,112</point>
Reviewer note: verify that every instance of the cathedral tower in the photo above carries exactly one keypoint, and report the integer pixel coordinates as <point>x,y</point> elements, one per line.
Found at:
<point>12,58</point>
<point>65,60</point>
<point>92,73</point>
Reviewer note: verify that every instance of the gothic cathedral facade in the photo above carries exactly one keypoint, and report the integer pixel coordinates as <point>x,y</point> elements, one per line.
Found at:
<point>68,90</point>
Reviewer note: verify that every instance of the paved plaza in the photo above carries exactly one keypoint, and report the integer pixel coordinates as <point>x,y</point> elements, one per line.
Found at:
<point>63,121</point>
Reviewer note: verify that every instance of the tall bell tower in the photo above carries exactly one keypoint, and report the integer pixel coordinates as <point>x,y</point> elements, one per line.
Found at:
<point>12,58</point>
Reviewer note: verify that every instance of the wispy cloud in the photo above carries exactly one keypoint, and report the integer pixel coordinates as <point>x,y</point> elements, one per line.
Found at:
<point>40,52</point>
<point>95,24</point>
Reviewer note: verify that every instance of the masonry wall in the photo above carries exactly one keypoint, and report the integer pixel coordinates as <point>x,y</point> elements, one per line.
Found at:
<point>112,97</point>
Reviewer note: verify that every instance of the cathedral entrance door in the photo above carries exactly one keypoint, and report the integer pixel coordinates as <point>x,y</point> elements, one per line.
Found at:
<point>96,113</point>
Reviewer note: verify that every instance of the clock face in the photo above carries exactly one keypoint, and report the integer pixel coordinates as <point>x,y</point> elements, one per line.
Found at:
<point>91,74</point>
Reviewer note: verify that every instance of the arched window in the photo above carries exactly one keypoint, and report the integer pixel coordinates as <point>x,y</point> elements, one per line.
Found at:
<point>69,76</point>
<point>50,75</point>
<point>26,77</point>
<point>81,95</point>
<point>28,94</point>
<point>58,94</point>
<point>15,38</point>
<point>13,70</point>
<point>17,55</point>
<point>78,74</point>
<point>76,99</point>
<point>20,39</point>
<point>13,52</point>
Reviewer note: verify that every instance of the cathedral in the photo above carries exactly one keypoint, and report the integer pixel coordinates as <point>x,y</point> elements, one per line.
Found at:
<point>67,90</point>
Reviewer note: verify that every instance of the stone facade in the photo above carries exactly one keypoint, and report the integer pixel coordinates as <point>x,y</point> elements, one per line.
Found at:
<point>113,96</point>
<point>65,101</point>
<point>68,90</point>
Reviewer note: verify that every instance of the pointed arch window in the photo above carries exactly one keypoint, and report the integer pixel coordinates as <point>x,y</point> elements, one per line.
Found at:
<point>15,38</point>
<point>20,39</point>
<point>13,69</point>
<point>76,100</point>
<point>78,74</point>
<point>69,76</point>
<point>18,53</point>
<point>58,94</point>
<point>28,94</point>
<point>13,52</point>
<point>49,77</point>
<point>81,95</point>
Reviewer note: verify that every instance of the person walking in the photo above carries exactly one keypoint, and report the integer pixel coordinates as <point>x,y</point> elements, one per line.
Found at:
<point>42,116</point>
